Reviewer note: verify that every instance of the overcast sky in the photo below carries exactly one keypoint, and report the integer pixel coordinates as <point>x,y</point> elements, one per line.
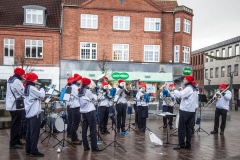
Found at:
<point>214,21</point>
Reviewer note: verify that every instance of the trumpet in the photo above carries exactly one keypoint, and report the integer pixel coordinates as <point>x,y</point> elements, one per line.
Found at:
<point>218,95</point>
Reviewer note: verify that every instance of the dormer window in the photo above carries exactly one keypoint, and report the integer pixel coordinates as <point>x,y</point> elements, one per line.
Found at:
<point>34,15</point>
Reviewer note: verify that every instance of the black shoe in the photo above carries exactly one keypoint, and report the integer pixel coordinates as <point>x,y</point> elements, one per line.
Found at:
<point>171,127</point>
<point>178,147</point>
<point>96,150</point>
<point>133,124</point>
<point>124,130</point>
<point>86,149</point>
<point>164,126</point>
<point>222,133</point>
<point>214,132</point>
<point>16,146</point>
<point>37,155</point>
<point>21,143</point>
<point>118,130</point>
<point>107,132</point>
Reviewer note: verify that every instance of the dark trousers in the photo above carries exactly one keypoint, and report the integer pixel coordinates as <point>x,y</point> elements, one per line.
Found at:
<point>89,119</point>
<point>32,136</point>
<point>121,115</point>
<point>223,113</point>
<point>185,127</point>
<point>103,113</point>
<point>170,119</point>
<point>141,119</point>
<point>23,129</point>
<point>70,117</point>
<point>75,122</point>
<point>136,114</point>
<point>15,126</point>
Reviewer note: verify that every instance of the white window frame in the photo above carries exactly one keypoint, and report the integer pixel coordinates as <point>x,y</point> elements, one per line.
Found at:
<point>187,26</point>
<point>150,24</point>
<point>120,48</point>
<point>155,51</point>
<point>89,21</point>
<point>224,53</point>
<point>37,14</point>
<point>91,48</point>
<point>237,50</point>
<point>31,47</point>
<point>123,22</point>
<point>206,73</point>
<point>8,45</point>
<point>211,59</point>
<point>186,54</point>
<point>176,50</point>
<point>217,53</point>
<point>230,52</point>
<point>177,24</point>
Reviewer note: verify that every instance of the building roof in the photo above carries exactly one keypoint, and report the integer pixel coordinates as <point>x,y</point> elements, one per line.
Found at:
<point>12,12</point>
<point>217,45</point>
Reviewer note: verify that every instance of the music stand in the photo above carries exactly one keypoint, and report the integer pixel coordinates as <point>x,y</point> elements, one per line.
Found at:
<point>201,98</point>
<point>129,112</point>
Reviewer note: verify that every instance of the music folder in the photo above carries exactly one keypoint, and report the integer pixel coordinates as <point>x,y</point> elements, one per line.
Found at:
<point>65,94</point>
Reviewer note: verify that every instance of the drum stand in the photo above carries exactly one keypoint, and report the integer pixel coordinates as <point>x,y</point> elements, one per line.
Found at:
<point>62,142</point>
<point>50,131</point>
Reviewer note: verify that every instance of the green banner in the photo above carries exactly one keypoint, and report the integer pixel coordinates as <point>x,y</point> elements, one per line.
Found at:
<point>117,75</point>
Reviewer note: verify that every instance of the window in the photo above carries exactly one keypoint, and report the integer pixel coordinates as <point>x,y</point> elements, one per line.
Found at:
<point>34,16</point>
<point>223,52</point>
<point>216,72</point>
<point>120,52</point>
<point>217,53</point>
<point>211,59</point>
<point>229,51</point>
<point>228,71</point>
<point>88,51</point>
<point>211,72</point>
<point>176,53</point>
<point>121,23</point>
<point>222,71</point>
<point>187,26</point>
<point>33,48</point>
<point>186,54</point>
<point>152,24</point>
<point>236,70</point>
<point>89,21</point>
<point>206,73</point>
<point>151,53</point>
<point>237,50</point>
<point>206,58</point>
<point>8,47</point>
<point>177,24</point>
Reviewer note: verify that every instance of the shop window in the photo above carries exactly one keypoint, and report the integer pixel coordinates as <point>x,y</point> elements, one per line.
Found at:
<point>3,89</point>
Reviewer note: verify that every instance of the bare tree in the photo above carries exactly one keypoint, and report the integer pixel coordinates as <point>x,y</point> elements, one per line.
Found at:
<point>103,63</point>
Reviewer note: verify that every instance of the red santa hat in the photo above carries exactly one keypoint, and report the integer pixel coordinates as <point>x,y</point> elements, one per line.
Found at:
<point>105,84</point>
<point>70,80</point>
<point>223,85</point>
<point>77,77</point>
<point>120,81</point>
<point>30,77</point>
<point>189,78</point>
<point>144,85</point>
<point>171,85</point>
<point>106,78</point>
<point>86,81</point>
<point>19,71</point>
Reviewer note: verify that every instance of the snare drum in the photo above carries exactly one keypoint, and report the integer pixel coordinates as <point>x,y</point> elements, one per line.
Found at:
<point>58,106</point>
<point>57,122</point>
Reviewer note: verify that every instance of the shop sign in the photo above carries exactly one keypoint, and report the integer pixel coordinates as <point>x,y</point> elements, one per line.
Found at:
<point>187,71</point>
<point>91,75</point>
<point>117,75</point>
<point>36,70</point>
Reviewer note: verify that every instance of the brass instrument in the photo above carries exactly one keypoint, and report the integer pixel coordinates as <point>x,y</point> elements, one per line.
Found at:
<point>218,95</point>
<point>170,101</point>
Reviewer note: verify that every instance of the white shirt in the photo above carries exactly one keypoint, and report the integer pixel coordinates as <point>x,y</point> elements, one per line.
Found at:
<point>120,96</point>
<point>32,102</point>
<point>188,96</point>
<point>18,90</point>
<point>223,102</point>
<point>140,99</point>
<point>87,102</point>
<point>103,100</point>
<point>74,98</point>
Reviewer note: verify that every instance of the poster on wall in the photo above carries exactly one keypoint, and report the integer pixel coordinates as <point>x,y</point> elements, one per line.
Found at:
<point>151,88</point>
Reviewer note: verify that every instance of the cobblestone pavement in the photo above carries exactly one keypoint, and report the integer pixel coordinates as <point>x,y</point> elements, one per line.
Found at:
<point>139,146</point>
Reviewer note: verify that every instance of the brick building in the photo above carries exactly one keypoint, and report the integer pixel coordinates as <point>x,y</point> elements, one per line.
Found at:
<point>29,36</point>
<point>149,40</point>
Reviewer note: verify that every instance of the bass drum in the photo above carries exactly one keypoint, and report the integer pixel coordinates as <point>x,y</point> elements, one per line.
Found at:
<point>57,122</point>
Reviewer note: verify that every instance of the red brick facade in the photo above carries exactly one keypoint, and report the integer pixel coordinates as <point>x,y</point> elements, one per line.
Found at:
<point>197,61</point>
<point>136,37</point>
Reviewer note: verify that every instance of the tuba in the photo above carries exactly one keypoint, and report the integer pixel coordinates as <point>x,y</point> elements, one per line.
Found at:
<point>169,98</point>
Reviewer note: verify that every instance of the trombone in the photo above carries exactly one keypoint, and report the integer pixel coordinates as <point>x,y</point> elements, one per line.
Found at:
<point>218,95</point>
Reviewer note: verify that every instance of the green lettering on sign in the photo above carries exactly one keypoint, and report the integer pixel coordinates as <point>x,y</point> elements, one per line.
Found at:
<point>117,75</point>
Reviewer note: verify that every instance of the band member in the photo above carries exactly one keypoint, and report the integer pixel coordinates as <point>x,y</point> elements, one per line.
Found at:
<point>121,105</point>
<point>103,109</point>
<point>142,108</point>
<point>187,109</point>
<point>167,92</point>
<point>75,107</point>
<point>69,112</point>
<point>135,101</point>
<point>15,89</point>
<point>87,109</point>
<point>222,107</point>
<point>32,103</point>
